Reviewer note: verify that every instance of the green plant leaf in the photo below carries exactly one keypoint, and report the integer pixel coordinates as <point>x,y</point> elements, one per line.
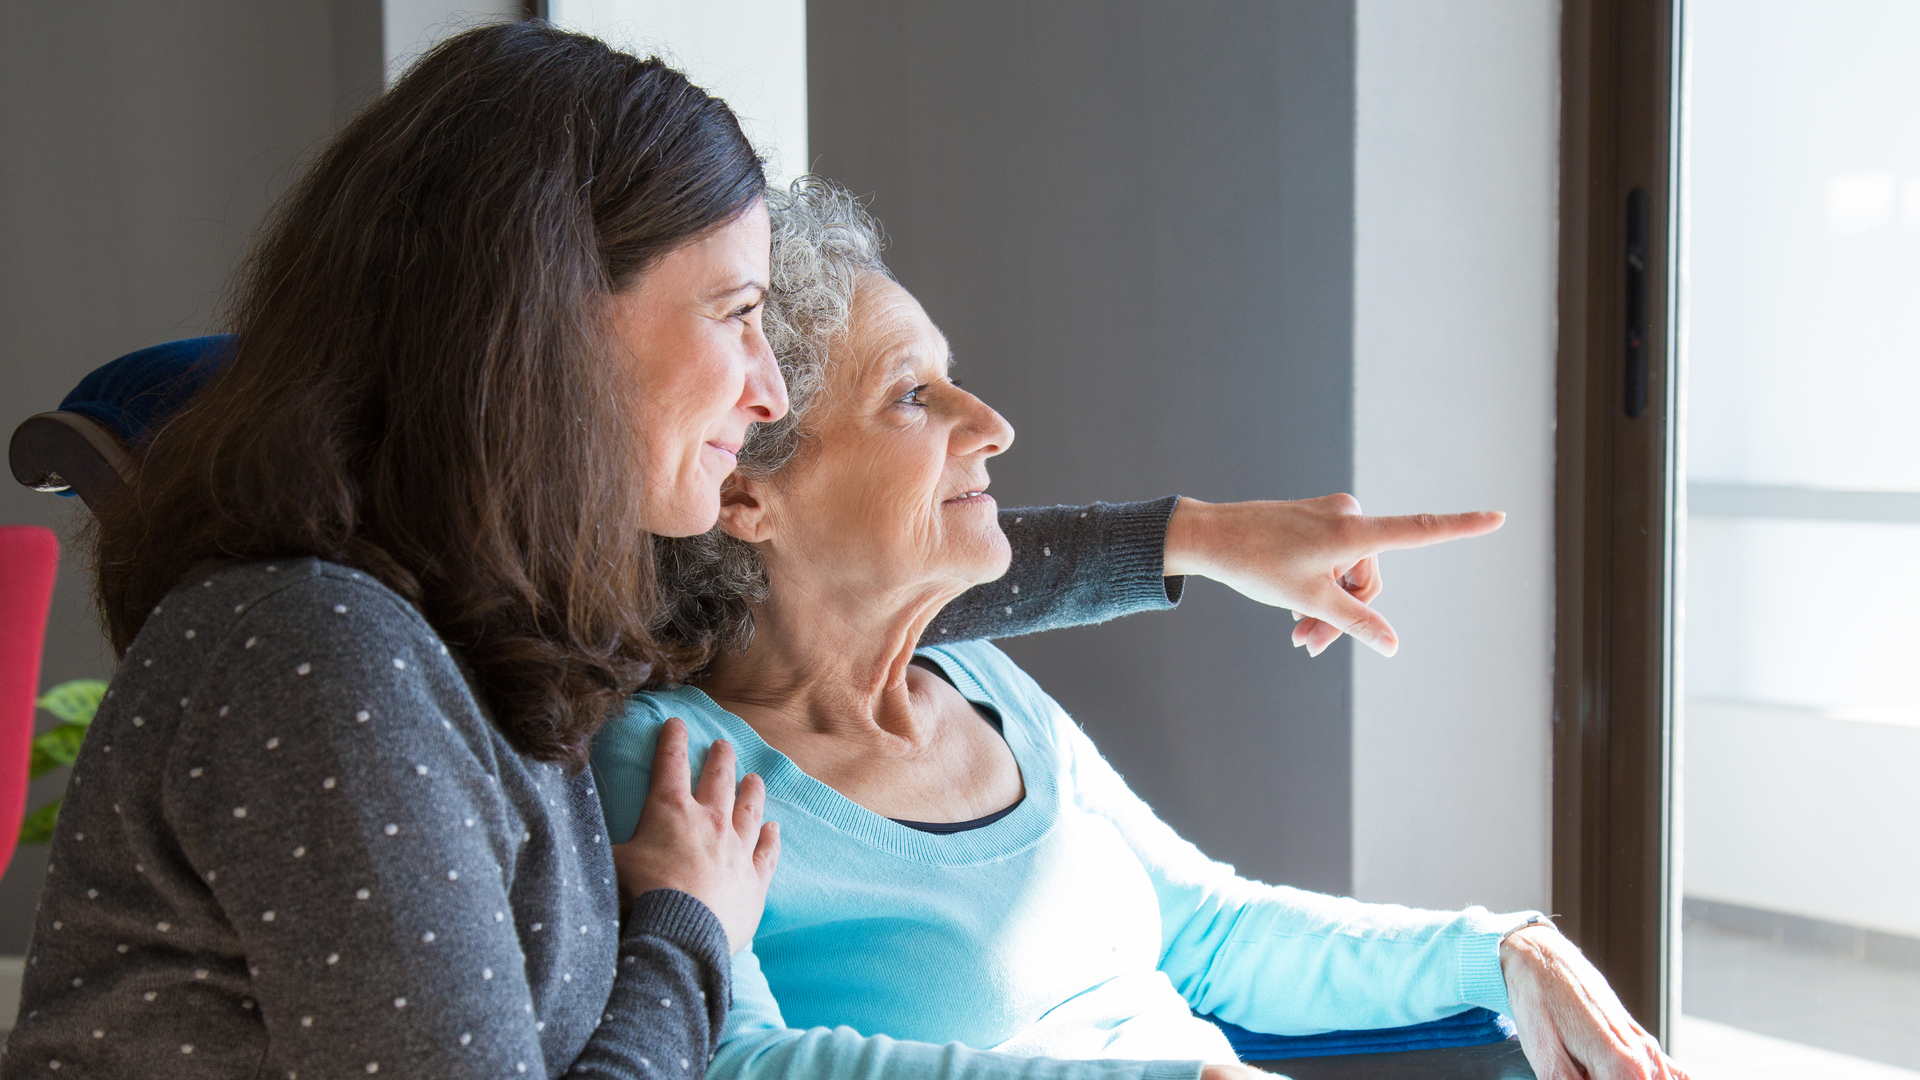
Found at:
<point>76,701</point>
<point>38,827</point>
<point>52,749</point>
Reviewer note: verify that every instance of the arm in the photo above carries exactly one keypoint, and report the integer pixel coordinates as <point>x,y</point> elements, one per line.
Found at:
<point>1285,960</point>
<point>347,816</point>
<point>1072,565</point>
<point>757,1045</point>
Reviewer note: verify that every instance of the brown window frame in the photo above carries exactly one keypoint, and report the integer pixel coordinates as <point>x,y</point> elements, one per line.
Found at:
<point>1613,870</point>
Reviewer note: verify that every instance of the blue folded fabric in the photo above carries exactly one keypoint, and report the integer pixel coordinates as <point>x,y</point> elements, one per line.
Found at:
<point>133,394</point>
<point>1475,1027</point>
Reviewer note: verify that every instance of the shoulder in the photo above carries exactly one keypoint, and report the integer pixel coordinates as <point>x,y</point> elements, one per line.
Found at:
<point>1004,683</point>
<point>622,761</point>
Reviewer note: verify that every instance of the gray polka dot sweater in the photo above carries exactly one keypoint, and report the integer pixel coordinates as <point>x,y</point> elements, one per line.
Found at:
<point>293,846</point>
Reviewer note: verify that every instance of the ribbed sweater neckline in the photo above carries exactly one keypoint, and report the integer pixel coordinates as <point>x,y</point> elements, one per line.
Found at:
<point>1026,825</point>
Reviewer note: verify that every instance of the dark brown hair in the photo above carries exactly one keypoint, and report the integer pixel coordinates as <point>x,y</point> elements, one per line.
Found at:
<point>422,386</point>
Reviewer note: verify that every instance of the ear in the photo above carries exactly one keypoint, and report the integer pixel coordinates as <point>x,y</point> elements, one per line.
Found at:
<point>743,510</point>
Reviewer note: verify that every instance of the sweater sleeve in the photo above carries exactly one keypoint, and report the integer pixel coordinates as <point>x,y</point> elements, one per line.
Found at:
<point>1072,565</point>
<point>758,1045</point>
<point>336,789</point>
<point>1287,961</point>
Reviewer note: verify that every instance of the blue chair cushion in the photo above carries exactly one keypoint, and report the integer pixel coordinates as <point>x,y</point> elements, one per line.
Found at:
<point>1475,1027</point>
<point>133,394</point>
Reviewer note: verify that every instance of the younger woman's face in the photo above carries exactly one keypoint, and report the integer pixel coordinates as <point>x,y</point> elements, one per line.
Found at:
<point>690,328</point>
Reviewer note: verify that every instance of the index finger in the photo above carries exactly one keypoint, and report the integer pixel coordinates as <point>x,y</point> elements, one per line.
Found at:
<point>1420,530</point>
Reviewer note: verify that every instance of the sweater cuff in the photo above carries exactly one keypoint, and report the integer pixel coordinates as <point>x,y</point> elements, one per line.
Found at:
<point>1172,1070</point>
<point>680,920</point>
<point>1481,981</point>
<point>1134,541</point>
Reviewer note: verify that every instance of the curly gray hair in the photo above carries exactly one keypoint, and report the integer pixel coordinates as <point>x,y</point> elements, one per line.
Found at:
<point>823,241</point>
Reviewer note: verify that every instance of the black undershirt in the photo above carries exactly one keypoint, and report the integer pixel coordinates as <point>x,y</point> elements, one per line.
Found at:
<point>944,828</point>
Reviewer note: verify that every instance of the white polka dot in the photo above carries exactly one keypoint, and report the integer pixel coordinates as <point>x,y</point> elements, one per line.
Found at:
<point>251,641</point>
<point>146,663</point>
<point>499,916</point>
<point>567,977</point>
<point>57,924</point>
<point>539,1025</point>
<point>54,1064</point>
<point>339,609</point>
<point>306,1021</point>
<point>453,875</point>
<point>273,569</point>
<point>427,938</point>
<point>1009,611</point>
<point>361,894</point>
<point>372,1066</point>
<point>120,948</point>
<point>78,981</point>
<point>139,721</point>
<point>195,772</point>
<point>266,916</point>
<point>163,927</point>
<point>390,829</point>
<point>420,770</point>
<point>520,1065</point>
<point>98,1034</point>
<point>239,811</point>
<point>184,702</point>
<point>469,823</point>
<point>399,1003</point>
<point>201,973</point>
<point>327,783</point>
<point>149,995</point>
<point>186,1048</point>
<point>399,664</point>
<point>1016,588</point>
<point>465,1038</point>
<point>211,874</point>
<point>363,716</point>
<point>93,894</point>
<point>1083,513</point>
<point>223,709</point>
<point>303,669</point>
<point>300,852</point>
<point>583,928</point>
<point>536,927</point>
<point>666,1003</point>
<point>247,1003</point>
<point>238,608</point>
<point>273,743</point>
<point>191,634</point>
<point>333,958</point>
<point>486,973</point>
<point>1046,551</point>
<point>1018,520</point>
<point>684,1063</point>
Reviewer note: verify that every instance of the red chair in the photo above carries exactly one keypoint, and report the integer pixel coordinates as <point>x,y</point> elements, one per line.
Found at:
<point>29,556</point>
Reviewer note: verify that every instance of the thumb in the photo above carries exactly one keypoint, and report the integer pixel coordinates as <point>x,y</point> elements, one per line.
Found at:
<point>1340,609</point>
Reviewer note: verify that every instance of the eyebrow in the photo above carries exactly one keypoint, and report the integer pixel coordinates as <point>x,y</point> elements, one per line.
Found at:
<point>738,288</point>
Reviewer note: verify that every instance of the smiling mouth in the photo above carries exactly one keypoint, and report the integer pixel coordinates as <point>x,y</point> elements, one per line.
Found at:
<point>731,451</point>
<point>970,497</point>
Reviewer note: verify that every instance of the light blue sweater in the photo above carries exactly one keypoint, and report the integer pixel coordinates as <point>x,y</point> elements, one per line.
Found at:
<point>1077,927</point>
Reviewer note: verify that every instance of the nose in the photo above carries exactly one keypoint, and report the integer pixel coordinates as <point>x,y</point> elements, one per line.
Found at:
<point>982,431</point>
<point>764,396</point>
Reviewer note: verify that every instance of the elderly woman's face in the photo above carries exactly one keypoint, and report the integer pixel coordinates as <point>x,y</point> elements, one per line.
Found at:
<point>890,491</point>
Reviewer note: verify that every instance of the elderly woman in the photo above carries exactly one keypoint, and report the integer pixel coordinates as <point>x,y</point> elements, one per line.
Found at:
<point>968,888</point>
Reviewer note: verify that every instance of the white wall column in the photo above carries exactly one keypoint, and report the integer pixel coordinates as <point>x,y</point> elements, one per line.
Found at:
<point>1456,162</point>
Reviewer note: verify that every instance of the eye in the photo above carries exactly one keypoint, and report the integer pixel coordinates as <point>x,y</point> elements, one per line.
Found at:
<point>912,397</point>
<point>744,310</point>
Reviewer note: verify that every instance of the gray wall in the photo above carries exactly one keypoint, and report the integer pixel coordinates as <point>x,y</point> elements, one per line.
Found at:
<point>1134,220</point>
<point>140,144</point>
